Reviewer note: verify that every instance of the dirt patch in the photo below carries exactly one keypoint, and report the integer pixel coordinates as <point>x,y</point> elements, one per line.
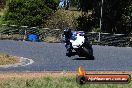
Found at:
<point>50,39</point>
<point>6,59</point>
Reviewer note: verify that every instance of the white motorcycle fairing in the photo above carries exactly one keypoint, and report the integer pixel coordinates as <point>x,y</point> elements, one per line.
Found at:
<point>78,42</point>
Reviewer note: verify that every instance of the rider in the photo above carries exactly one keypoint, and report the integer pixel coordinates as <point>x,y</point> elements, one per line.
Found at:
<point>68,34</point>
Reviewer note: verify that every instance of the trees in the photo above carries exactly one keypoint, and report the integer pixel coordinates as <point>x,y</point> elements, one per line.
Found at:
<point>53,4</point>
<point>116,16</point>
<point>29,12</point>
<point>2,3</point>
<point>86,5</point>
<point>86,21</point>
<point>73,3</point>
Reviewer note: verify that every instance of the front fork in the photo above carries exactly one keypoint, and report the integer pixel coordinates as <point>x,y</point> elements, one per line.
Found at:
<point>68,47</point>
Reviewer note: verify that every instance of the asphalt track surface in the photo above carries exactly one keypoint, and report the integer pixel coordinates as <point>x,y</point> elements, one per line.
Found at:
<point>52,57</point>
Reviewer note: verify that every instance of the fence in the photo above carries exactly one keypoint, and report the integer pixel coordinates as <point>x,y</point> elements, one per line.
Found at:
<point>120,40</point>
<point>14,32</point>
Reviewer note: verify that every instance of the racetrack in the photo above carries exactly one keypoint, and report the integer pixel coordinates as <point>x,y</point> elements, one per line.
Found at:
<point>52,57</point>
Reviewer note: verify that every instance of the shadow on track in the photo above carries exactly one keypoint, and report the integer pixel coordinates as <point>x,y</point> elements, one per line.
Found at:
<point>71,54</point>
<point>84,58</point>
<point>80,57</point>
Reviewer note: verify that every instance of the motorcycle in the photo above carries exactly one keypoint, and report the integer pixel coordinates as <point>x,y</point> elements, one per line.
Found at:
<point>80,44</point>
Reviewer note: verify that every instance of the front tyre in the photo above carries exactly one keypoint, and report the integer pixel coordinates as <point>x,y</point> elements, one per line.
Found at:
<point>88,52</point>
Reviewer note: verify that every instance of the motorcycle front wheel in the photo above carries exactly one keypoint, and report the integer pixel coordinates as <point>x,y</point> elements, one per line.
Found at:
<point>88,52</point>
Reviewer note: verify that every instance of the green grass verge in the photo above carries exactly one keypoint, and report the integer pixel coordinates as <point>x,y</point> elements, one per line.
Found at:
<point>54,82</point>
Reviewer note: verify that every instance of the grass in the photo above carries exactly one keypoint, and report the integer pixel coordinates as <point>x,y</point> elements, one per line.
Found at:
<point>54,82</point>
<point>7,59</point>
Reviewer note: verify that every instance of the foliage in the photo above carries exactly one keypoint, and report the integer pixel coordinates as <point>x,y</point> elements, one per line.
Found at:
<point>62,19</point>
<point>116,15</point>
<point>53,4</point>
<point>29,12</point>
<point>85,23</point>
<point>74,3</point>
<point>85,5</point>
